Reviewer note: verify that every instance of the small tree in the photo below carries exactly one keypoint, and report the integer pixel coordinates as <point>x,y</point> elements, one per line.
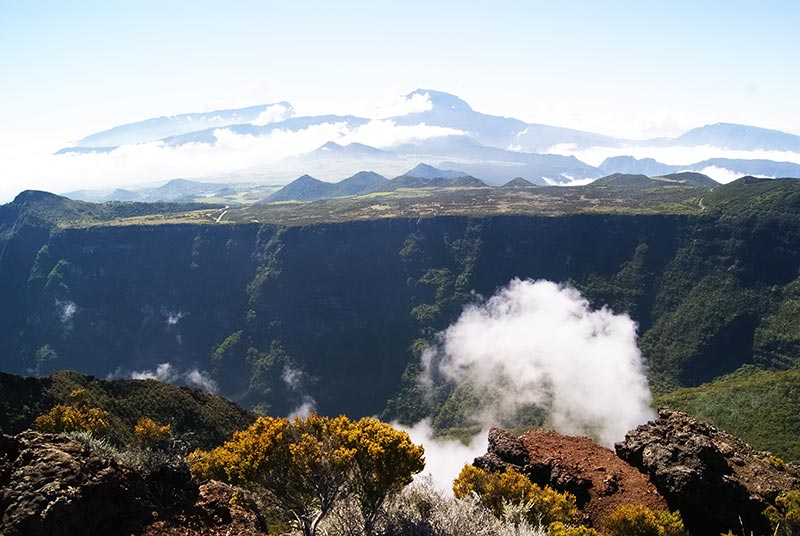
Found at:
<point>307,465</point>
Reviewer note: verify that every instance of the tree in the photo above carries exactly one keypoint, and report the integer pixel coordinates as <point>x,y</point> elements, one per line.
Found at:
<point>307,465</point>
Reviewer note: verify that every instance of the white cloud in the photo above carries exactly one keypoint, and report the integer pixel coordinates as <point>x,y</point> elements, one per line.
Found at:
<point>231,153</point>
<point>396,105</point>
<point>720,174</point>
<point>536,343</point>
<point>273,114</point>
<point>166,372</point>
<point>306,408</point>
<point>174,317</point>
<point>444,458</point>
<point>66,310</point>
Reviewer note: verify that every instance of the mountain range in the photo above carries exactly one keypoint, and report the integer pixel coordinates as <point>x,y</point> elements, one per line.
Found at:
<point>447,133</point>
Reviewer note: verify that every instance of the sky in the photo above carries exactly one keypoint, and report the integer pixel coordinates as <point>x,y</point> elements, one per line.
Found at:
<point>630,69</point>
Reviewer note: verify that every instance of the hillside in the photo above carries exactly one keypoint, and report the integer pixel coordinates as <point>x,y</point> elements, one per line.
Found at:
<point>197,418</point>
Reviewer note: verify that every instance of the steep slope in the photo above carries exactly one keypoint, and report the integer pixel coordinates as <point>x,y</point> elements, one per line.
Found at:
<point>197,418</point>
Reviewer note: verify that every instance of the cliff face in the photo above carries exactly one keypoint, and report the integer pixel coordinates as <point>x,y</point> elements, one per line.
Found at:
<point>277,314</point>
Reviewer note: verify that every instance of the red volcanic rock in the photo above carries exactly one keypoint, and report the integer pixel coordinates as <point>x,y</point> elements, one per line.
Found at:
<point>594,474</point>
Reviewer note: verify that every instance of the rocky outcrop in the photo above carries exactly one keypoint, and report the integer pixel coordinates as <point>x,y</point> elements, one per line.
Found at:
<point>594,474</point>
<point>51,485</point>
<point>716,480</point>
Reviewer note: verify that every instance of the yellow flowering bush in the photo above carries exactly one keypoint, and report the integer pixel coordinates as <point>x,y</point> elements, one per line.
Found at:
<point>496,489</point>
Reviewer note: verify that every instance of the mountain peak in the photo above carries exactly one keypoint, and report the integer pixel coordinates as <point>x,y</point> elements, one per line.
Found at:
<point>442,100</point>
<point>426,171</point>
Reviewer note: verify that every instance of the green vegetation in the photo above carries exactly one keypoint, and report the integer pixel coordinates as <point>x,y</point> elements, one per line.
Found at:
<point>196,418</point>
<point>308,466</point>
<point>760,406</point>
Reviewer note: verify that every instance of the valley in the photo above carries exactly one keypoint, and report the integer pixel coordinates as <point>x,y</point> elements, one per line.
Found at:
<point>331,302</point>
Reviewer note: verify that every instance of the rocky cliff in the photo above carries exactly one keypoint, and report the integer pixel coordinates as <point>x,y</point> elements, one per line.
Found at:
<point>716,480</point>
<point>337,307</point>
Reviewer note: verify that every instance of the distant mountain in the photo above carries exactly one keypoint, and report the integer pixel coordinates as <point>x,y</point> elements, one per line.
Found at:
<point>495,148</point>
<point>631,165</point>
<point>162,127</point>
<point>424,171</point>
<point>763,168</point>
<point>739,137</point>
<point>627,181</point>
<point>351,150</point>
<point>293,124</point>
<point>450,111</point>
<point>362,182</point>
<point>408,181</point>
<point>305,188</point>
<point>519,182</point>
<point>650,167</point>
<point>175,190</point>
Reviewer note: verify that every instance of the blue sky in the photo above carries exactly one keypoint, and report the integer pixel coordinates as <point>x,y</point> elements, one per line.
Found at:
<point>634,69</point>
<point>79,68</point>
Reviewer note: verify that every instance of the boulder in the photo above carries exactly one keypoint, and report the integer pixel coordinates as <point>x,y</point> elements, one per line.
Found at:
<point>594,474</point>
<point>716,480</point>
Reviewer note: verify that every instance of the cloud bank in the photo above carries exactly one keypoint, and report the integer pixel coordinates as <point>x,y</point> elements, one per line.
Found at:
<point>231,153</point>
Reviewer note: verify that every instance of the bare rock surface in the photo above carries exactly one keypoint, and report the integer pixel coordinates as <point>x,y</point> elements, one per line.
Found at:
<point>51,485</point>
<point>594,474</point>
<point>716,480</point>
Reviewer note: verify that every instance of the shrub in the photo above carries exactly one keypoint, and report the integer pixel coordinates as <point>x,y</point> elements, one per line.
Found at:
<point>150,435</point>
<point>560,529</point>
<point>639,520</point>
<point>785,514</point>
<point>498,490</point>
<point>309,466</point>
<point>75,417</point>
